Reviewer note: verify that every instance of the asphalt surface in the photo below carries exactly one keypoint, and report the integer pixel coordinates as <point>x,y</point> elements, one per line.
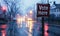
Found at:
<point>53,30</point>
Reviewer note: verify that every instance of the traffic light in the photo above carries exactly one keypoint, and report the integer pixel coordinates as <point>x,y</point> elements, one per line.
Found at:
<point>4,8</point>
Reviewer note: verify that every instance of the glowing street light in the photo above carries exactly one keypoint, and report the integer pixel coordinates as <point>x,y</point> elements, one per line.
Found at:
<point>31,13</point>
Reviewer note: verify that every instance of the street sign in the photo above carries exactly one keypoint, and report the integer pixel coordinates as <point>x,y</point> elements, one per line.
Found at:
<point>43,10</point>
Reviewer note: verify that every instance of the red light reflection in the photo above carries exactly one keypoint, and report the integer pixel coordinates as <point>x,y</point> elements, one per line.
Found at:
<point>3,26</point>
<point>3,33</point>
<point>45,29</point>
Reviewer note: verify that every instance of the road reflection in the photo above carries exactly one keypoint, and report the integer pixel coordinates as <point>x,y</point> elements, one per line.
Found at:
<point>28,20</point>
<point>29,23</point>
<point>46,29</point>
<point>3,30</point>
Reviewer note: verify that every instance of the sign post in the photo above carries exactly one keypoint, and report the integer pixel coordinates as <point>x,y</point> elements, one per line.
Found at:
<point>43,11</point>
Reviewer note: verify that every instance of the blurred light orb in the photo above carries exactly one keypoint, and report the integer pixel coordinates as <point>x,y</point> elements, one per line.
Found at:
<point>4,8</point>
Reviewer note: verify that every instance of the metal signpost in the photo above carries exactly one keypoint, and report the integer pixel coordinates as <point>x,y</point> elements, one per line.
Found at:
<point>43,11</point>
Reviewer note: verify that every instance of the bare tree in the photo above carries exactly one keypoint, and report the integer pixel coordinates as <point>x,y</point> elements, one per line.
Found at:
<point>12,29</point>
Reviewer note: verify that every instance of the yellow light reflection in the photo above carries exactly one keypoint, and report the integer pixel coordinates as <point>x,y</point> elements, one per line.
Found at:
<point>28,20</point>
<point>30,24</point>
<point>19,20</point>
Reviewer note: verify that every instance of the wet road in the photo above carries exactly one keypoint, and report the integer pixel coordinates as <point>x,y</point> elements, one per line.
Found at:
<point>53,30</point>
